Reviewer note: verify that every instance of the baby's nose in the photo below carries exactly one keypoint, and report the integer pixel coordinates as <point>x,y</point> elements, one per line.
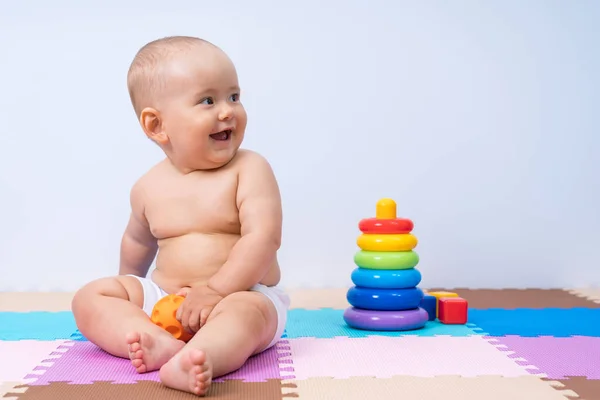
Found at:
<point>226,112</point>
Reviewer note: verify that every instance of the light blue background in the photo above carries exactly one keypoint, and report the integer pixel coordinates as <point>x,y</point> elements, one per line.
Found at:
<point>479,117</point>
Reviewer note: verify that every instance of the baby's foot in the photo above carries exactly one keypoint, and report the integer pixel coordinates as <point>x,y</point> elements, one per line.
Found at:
<point>190,372</point>
<point>148,353</point>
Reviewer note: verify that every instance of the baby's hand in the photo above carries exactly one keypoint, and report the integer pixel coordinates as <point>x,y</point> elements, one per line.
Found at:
<point>197,306</point>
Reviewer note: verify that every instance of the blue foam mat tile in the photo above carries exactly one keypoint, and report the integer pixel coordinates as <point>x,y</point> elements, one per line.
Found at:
<point>557,322</point>
<point>37,325</point>
<point>328,323</point>
<point>78,337</point>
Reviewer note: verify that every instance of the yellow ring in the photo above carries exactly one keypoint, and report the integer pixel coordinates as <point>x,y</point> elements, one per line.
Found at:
<point>387,242</point>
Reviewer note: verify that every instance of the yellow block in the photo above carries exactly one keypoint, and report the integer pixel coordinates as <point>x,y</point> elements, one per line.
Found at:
<point>387,242</point>
<point>438,296</point>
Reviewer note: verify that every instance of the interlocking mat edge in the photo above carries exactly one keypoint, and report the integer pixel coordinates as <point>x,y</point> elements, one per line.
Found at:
<point>517,344</point>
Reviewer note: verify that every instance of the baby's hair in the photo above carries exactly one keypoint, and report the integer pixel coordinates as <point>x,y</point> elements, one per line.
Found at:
<point>145,78</point>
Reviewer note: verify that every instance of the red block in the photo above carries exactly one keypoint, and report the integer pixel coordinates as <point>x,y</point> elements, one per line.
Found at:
<point>453,310</point>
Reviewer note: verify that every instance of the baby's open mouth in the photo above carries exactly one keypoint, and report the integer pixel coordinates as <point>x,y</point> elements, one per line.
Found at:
<point>223,135</point>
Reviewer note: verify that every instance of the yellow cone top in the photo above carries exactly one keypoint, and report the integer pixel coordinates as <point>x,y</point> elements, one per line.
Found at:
<point>386,209</point>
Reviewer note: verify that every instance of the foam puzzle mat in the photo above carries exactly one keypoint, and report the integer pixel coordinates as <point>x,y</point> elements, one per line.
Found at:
<point>517,344</point>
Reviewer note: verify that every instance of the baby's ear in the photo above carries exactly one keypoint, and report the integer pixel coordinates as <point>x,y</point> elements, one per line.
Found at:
<point>152,125</point>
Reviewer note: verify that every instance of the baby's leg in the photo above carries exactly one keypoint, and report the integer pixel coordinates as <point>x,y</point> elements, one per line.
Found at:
<point>109,313</point>
<point>241,325</point>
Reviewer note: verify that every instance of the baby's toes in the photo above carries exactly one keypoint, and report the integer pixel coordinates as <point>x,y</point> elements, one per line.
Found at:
<point>137,362</point>
<point>194,373</point>
<point>203,378</point>
<point>203,381</point>
<point>135,347</point>
<point>133,338</point>
<point>136,354</point>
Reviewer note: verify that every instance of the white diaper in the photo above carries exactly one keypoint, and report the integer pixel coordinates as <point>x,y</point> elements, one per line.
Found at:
<point>280,299</point>
<point>152,294</point>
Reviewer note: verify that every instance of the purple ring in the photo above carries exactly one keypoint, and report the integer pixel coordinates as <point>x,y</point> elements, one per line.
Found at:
<point>373,320</point>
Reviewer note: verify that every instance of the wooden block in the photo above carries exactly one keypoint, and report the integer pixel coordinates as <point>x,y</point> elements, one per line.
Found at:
<point>453,310</point>
<point>439,295</point>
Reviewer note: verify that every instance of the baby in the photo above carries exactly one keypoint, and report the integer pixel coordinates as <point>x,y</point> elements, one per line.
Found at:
<point>209,212</point>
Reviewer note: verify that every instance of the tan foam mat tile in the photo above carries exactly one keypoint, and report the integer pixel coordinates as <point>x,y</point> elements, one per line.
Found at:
<point>591,294</point>
<point>520,298</point>
<point>149,390</point>
<point>443,387</point>
<point>312,299</point>
<point>35,301</point>
<point>587,389</point>
<point>10,387</point>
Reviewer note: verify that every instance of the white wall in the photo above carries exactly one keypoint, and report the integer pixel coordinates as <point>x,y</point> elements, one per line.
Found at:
<point>479,118</point>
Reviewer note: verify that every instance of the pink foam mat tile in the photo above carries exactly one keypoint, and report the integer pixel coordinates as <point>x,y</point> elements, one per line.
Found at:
<point>556,357</point>
<point>384,357</point>
<point>85,363</point>
<point>19,357</point>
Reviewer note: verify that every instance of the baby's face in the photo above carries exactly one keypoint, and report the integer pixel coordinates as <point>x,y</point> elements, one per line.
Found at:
<point>201,110</point>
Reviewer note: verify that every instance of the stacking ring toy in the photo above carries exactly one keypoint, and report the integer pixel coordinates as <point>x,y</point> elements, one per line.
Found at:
<point>384,299</point>
<point>386,221</point>
<point>386,320</point>
<point>375,225</point>
<point>387,242</point>
<point>163,315</point>
<point>386,259</point>
<point>386,279</point>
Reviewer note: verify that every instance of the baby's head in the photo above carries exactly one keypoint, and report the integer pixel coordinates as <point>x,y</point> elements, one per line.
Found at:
<point>186,94</point>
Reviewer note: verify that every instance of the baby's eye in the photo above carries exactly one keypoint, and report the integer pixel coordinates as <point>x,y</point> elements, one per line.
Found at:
<point>235,97</point>
<point>207,100</point>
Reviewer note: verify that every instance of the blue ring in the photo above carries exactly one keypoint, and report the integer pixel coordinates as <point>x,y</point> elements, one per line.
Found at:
<point>386,278</point>
<point>384,299</point>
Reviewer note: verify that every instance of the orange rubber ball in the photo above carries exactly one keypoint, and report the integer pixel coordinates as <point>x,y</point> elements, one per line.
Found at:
<point>164,313</point>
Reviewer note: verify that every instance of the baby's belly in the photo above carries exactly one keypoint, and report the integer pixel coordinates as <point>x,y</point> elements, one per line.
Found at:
<point>191,259</point>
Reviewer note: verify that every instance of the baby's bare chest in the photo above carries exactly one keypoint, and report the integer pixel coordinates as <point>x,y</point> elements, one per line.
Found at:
<point>192,204</point>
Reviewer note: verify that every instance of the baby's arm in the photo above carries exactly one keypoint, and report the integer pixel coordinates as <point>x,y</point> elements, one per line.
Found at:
<point>138,245</point>
<point>259,204</point>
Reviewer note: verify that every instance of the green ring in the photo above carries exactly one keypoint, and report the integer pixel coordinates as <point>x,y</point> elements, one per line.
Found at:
<point>386,259</point>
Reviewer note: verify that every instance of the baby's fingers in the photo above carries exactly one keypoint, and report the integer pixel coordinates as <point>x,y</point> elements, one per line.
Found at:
<point>184,317</point>
<point>204,315</point>
<point>183,314</point>
<point>179,313</point>
<point>194,321</point>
